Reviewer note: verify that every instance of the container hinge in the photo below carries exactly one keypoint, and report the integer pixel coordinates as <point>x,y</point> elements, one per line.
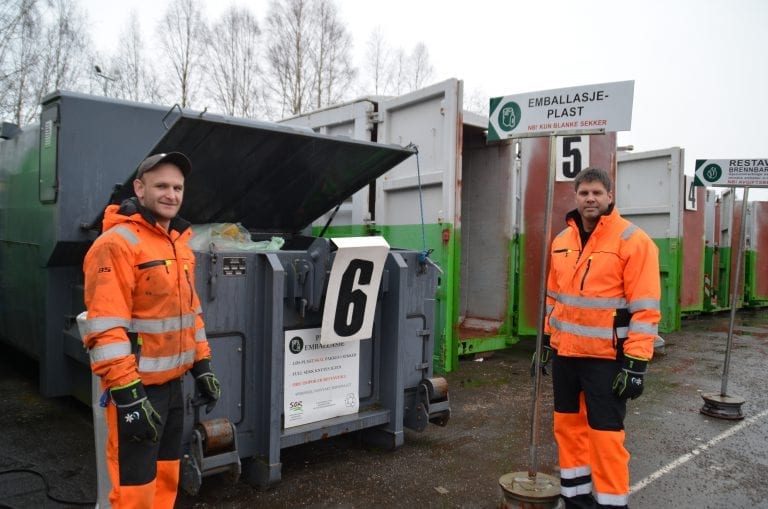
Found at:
<point>423,365</point>
<point>374,117</point>
<point>423,332</point>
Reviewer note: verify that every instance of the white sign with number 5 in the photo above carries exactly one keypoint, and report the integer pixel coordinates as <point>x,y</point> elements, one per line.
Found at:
<point>353,287</point>
<point>572,156</point>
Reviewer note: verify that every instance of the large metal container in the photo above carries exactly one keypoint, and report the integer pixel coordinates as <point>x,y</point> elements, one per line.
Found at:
<point>480,205</point>
<point>756,255</point>
<point>55,180</point>
<point>653,192</point>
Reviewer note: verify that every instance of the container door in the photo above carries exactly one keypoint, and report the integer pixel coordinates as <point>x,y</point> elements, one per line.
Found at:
<point>756,277</point>
<point>694,253</point>
<point>417,202</point>
<point>726,233</point>
<point>488,219</point>
<point>649,192</point>
<point>711,248</point>
<point>356,121</point>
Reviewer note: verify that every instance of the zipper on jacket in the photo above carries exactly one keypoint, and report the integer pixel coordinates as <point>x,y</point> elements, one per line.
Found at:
<point>586,271</point>
<point>154,263</point>
<point>189,282</point>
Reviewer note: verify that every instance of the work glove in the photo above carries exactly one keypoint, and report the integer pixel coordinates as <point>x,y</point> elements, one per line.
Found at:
<point>629,382</point>
<point>207,383</point>
<point>137,418</point>
<point>546,355</point>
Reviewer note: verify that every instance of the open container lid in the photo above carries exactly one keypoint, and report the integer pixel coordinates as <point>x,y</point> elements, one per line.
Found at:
<point>268,177</point>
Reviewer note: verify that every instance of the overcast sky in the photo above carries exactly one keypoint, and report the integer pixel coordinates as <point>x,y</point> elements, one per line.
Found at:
<point>700,66</point>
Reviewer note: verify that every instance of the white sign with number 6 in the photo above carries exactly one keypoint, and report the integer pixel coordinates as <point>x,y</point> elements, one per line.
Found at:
<point>353,287</point>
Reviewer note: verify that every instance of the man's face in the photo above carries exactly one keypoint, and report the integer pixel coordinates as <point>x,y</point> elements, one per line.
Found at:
<point>161,191</point>
<point>592,201</point>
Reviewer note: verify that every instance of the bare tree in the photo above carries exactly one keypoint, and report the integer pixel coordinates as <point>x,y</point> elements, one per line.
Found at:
<point>233,53</point>
<point>330,55</point>
<point>378,63</point>
<point>182,35</point>
<point>399,72</point>
<point>20,26</point>
<point>65,46</point>
<point>421,68</point>
<point>131,75</point>
<point>289,71</point>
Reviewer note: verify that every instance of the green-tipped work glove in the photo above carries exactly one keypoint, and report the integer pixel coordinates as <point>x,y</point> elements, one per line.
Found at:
<point>207,383</point>
<point>546,355</point>
<point>137,418</point>
<point>629,382</point>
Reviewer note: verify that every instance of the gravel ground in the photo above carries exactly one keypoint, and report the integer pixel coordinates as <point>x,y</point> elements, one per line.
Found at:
<point>681,458</point>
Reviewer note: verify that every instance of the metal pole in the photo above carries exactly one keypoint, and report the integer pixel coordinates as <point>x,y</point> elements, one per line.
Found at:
<point>542,307</point>
<point>736,276</point>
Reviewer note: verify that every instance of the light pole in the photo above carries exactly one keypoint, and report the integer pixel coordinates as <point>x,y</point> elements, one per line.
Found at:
<point>106,78</point>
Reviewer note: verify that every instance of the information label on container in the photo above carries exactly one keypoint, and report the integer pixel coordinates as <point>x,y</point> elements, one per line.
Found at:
<point>321,381</point>
<point>353,288</point>
<point>732,172</point>
<point>607,107</point>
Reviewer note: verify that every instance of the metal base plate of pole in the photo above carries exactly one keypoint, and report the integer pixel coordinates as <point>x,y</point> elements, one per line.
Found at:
<point>519,490</point>
<point>722,407</point>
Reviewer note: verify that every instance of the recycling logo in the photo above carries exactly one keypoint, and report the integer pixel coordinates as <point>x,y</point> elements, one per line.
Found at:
<point>509,116</point>
<point>712,172</point>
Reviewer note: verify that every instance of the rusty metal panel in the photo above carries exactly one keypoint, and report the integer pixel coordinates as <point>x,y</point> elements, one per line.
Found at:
<point>760,243</point>
<point>535,171</point>
<point>691,294</point>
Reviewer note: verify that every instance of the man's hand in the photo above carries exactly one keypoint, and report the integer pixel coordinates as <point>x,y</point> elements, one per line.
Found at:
<point>207,383</point>
<point>546,355</point>
<point>137,418</point>
<point>629,382</point>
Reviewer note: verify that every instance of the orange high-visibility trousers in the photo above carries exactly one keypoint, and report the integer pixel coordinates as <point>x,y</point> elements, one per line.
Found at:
<point>588,427</point>
<point>145,475</point>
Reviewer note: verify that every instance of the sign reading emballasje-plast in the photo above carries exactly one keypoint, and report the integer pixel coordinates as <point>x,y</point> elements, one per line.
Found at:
<point>606,107</point>
<point>732,172</point>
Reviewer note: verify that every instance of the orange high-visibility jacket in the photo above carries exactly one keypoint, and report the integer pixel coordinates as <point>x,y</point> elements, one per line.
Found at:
<point>140,278</point>
<point>605,296</point>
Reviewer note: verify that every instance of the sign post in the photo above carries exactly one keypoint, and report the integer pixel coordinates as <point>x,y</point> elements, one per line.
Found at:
<point>731,173</point>
<point>574,111</point>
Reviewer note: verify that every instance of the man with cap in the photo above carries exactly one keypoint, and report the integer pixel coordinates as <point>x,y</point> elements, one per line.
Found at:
<point>145,331</point>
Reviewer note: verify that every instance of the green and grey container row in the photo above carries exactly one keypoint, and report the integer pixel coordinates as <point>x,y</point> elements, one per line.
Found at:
<point>57,176</point>
<point>653,192</point>
<point>476,208</point>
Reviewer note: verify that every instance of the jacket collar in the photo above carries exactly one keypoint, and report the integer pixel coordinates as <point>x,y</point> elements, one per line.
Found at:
<point>131,207</point>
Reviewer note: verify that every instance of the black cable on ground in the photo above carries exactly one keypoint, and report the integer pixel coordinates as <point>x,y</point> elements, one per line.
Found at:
<point>47,488</point>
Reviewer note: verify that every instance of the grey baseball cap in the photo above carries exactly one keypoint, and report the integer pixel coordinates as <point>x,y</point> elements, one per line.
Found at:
<point>177,158</point>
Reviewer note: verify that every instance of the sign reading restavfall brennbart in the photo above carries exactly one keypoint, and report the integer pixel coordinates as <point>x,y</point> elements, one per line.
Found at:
<point>732,172</point>
<point>606,107</point>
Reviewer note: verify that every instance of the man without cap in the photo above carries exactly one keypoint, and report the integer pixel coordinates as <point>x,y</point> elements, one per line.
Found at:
<point>145,331</point>
<point>603,302</point>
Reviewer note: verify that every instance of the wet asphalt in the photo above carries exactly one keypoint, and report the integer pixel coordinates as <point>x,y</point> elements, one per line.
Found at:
<point>681,458</point>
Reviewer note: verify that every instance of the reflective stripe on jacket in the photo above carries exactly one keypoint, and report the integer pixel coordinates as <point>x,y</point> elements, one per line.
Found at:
<point>605,296</point>
<point>140,279</point>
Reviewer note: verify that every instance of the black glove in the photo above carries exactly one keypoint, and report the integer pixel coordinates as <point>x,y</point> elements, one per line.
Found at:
<point>207,383</point>
<point>546,355</point>
<point>629,382</point>
<point>137,418</point>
